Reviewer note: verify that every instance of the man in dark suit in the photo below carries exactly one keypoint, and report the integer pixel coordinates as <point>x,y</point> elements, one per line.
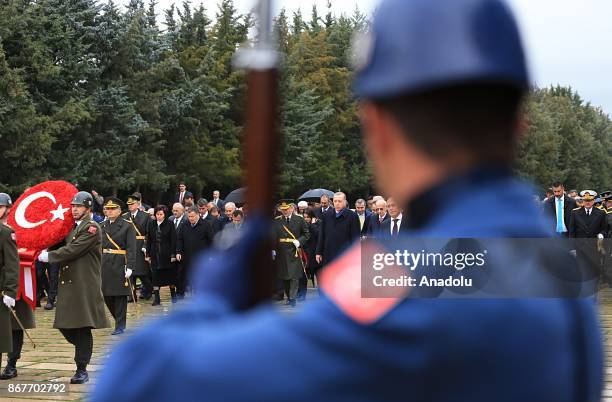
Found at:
<point>364,216</point>
<point>587,224</point>
<point>203,210</point>
<point>324,206</point>
<point>178,217</point>
<point>339,228</point>
<point>215,217</point>
<point>379,217</point>
<point>193,236</point>
<point>217,201</point>
<point>180,196</point>
<point>558,209</point>
<point>397,222</point>
<point>227,217</point>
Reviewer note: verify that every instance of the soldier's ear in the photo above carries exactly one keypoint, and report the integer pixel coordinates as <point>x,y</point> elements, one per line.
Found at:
<point>376,129</point>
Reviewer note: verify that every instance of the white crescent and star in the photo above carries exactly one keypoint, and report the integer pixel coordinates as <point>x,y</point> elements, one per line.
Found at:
<point>20,218</point>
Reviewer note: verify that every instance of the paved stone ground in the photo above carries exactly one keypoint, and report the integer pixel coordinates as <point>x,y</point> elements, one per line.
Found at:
<point>52,360</point>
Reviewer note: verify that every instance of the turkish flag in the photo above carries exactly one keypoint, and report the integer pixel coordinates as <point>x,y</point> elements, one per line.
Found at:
<point>41,218</point>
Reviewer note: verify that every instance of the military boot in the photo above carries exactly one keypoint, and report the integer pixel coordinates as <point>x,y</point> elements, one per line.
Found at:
<point>156,300</point>
<point>10,371</point>
<point>50,303</point>
<point>80,376</point>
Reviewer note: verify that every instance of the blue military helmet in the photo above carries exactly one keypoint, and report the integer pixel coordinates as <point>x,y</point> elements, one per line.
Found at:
<point>419,45</point>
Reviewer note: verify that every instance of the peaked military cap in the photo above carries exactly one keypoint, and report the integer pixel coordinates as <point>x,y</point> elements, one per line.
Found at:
<point>112,203</point>
<point>588,195</point>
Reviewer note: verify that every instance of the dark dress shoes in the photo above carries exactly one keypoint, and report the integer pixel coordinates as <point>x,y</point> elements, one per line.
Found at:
<point>80,377</point>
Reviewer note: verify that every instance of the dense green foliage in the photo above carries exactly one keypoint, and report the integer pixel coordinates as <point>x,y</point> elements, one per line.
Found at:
<point>113,99</point>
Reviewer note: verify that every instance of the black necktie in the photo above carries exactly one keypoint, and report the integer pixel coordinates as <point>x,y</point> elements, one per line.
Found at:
<point>395,229</point>
<point>287,219</point>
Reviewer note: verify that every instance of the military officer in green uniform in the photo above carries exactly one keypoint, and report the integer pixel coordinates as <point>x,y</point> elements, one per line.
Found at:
<point>118,256</point>
<point>9,275</point>
<point>80,305</point>
<point>291,233</point>
<point>140,222</point>
<point>22,309</point>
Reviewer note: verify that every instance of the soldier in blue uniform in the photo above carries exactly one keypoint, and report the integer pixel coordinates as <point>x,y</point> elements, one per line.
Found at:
<point>440,84</point>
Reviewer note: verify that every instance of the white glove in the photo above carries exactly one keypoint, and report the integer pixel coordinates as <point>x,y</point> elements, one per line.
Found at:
<point>144,250</point>
<point>8,301</point>
<point>296,243</point>
<point>128,272</point>
<point>43,256</point>
<point>600,236</point>
<point>573,253</point>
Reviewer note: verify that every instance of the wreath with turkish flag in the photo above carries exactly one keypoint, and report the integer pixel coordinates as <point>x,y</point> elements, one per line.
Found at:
<point>41,218</point>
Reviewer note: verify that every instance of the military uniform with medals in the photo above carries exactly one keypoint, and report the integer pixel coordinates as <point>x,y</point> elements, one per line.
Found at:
<point>587,227</point>
<point>118,257</point>
<point>290,233</point>
<point>140,223</point>
<point>80,304</point>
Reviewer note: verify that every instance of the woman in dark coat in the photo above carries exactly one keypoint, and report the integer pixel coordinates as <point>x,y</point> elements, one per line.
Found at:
<point>311,245</point>
<point>161,250</point>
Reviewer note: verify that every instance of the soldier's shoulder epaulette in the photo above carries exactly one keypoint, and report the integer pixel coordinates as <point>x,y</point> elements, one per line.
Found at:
<point>127,220</point>
<point>576,209</point>
<point>278,217</point>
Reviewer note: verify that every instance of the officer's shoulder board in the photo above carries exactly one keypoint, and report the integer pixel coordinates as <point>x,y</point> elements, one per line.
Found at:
<point>127,220</point>
<point>576,209</point>
<point>278,217</point>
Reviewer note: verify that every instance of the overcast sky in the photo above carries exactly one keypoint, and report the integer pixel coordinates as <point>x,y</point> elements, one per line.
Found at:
<point>568,42</point>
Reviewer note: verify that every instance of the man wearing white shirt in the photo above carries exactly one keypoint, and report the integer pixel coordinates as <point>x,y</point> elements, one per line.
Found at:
<point>396,222</point>
<point>217,201</point>
<point>180,196</point>
<point>178,212</point>
<point>559,209</point>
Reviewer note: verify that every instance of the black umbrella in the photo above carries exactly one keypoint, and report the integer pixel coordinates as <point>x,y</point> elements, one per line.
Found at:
<point>237,196</point>
<point>315,195</point>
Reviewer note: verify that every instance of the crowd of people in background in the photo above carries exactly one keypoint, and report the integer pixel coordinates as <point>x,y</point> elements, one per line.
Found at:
<point>174,236</point>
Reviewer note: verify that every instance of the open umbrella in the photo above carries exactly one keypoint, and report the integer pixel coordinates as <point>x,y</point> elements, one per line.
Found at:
<point>315,195</point>
<point>237,196</point>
